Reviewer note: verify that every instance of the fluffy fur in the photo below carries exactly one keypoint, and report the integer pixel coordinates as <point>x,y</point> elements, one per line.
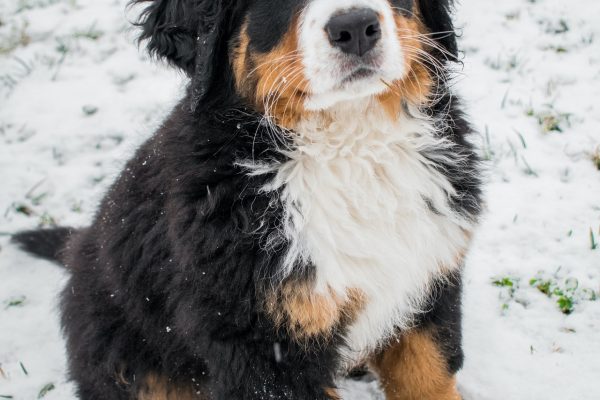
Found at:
<point>289,221</point>
<point>357,197</point>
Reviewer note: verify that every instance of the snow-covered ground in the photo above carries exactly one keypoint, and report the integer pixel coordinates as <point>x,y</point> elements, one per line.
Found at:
<point>76,97</point>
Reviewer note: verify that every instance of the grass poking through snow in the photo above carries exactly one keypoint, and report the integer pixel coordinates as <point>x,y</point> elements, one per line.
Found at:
<point>15,302</point>
<point>566,292</point>
<point>596,158</point>
<point>551,120</point>
<point>45,390</point>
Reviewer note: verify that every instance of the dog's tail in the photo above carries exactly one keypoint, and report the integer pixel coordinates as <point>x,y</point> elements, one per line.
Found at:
<point>44,243</point>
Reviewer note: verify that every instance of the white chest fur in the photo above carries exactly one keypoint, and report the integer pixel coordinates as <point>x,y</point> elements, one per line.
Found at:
<point>358,196</point>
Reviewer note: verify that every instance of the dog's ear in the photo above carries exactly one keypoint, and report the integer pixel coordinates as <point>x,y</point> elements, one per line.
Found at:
<point>437,16</point>
<point>185,33</point>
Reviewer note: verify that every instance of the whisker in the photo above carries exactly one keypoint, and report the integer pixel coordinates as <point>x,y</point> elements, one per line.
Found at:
<point>280,81</point>
<point>293,55</point>
<point>283,88</point>
<point>429,42</point>
<point>293,97</point>
<point>272,71</point>
<point>274,94</point>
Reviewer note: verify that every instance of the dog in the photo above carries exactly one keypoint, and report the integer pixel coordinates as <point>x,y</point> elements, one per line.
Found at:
<point>304,210</point>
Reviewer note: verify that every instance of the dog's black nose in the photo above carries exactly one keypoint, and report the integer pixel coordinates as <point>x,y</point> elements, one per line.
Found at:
<point>354,32</point>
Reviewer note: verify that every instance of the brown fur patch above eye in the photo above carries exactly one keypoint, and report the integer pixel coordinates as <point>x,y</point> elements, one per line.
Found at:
<point>156,387</point>
<point>413,368</point>
<point>307,314</point>
<point>273,82</point>
<point>416,86</point>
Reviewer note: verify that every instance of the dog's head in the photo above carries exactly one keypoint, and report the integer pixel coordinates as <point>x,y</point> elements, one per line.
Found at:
<point>289,57</point>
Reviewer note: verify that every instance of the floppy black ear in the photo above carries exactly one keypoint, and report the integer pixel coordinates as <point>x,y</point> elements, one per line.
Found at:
<point>186,34</point>
<point>437,16</point>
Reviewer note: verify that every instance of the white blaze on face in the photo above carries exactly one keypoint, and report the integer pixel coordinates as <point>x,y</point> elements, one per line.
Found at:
<point>326,66</point>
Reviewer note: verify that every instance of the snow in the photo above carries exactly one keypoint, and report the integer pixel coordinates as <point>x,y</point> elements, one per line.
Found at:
<point>76,97</point>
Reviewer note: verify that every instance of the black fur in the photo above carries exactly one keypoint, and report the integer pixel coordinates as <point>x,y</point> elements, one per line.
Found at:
<point>437,17</point>
<point>171,276</point>
<point>188,34</point>
<point>404,6</point>
<point>47,244</point>
<point>464,176</point>
<point>445,320</point>
<point>276,16</point>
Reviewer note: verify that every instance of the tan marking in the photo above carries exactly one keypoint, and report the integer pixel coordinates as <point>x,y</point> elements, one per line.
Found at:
<point>332,394</point>
<point>416,86</point>
<point>414,369</point>
<point>307,314</point>
<point>274,82</point>
<point>239,61</point>
<point>157,387</point>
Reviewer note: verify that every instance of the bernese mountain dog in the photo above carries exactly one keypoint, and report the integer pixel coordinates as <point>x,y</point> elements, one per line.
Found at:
<point>303,211</point>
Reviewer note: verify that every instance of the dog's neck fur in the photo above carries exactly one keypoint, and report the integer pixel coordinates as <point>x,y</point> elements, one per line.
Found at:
<point>369,211</point>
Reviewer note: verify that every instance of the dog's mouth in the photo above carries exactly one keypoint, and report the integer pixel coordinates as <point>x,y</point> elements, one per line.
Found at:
<point>359,73</point>
<point>355,80</point>
<point>354,69</point>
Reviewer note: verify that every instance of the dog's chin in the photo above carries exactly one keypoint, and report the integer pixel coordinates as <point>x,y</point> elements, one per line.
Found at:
<point>359,84</point>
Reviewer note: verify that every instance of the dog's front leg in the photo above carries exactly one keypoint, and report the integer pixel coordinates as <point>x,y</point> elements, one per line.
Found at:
<point>413,368</point>
<point>421,363</point>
